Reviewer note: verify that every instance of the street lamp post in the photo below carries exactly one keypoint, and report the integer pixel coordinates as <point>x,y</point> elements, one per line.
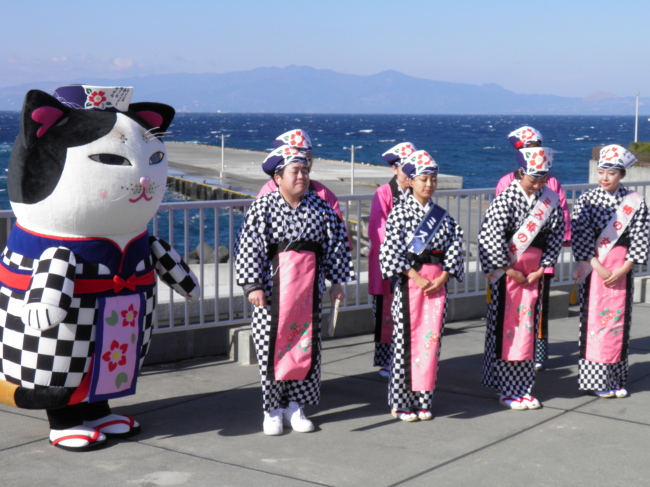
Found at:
<point>351,149</point>
<point>222,154</point>
<point>636,119</point>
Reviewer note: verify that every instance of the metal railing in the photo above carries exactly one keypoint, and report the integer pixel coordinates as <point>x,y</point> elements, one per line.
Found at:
<point>189,226</point>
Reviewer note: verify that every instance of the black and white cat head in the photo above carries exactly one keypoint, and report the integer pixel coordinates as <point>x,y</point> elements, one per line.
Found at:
<point>88,173</point>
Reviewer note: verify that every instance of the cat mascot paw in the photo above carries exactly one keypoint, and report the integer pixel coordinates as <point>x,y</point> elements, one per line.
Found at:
<point>78,276</point>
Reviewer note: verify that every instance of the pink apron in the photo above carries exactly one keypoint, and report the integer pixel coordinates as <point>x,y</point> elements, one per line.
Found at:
<point>518,328</point>
<point>425,322</point>
<point>293,314</point>
<point>606,313</point>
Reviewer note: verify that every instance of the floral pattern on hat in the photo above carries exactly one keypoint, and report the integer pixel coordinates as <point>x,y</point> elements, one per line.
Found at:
<point>298,139</point>
<point>536,161</point>
<point>616,157</point>
<point>396,156</point>
<point>419,163</point>
<point>281,157</point>
<point>523,136</point>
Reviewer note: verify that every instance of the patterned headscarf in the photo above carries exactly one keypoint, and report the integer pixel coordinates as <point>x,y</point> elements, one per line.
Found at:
<point>109,98</point>
<point>419,163</point>
<point>281,157</point>
<point>615,157</point>
<point>396,156</point>
<point>523,136</point>
<point>535,161</point>
<point>297,139</point>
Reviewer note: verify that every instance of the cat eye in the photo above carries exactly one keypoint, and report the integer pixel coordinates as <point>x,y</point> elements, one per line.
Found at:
<point>156,157</point>
<point>111,159</point>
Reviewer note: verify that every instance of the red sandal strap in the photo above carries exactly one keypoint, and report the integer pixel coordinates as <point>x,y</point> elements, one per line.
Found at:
<point>90,439</point>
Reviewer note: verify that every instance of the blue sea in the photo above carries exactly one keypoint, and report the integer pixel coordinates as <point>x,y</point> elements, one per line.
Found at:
<point>472,146</point>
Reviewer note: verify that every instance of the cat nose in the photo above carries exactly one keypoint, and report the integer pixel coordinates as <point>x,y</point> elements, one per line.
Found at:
<point>145,182</point>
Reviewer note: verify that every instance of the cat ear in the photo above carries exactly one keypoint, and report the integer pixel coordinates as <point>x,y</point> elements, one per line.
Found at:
<point>41,112</point>
<point>157,115</point>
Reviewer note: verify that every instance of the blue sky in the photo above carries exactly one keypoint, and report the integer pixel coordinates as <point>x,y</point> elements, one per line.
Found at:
<point>566,48</point>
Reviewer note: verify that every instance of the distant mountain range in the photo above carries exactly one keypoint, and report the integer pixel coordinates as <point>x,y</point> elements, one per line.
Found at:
<point>302,89</point>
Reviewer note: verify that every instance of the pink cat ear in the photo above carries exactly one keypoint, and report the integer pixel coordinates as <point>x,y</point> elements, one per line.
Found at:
<point>47,117</point>
<point>152,118</point>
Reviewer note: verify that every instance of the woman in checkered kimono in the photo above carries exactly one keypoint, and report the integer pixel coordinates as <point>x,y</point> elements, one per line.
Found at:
<point>290,242</point>
<point>606,291</point>
<point>420,303</point>
<point>387,196</point>
<point>530,137</point>
<point>514,378</point>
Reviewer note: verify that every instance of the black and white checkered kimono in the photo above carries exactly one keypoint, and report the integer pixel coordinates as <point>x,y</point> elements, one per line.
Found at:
<point>271,221</point>
<point>400,227</point>
<point>504,217</point>
<point>55,270</point>
<point>590,215</point>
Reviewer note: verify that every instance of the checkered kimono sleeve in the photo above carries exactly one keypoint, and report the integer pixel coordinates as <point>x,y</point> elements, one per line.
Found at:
<point>400,227</point>
<point>53,280</point>
<point>173,270</point>
<point>393,250</point>
<point>251,245</point>
<point>590,215</point>
<point>492,242</point>
<point>454,261</point>
<point>337,262</point>
<point>553,232</point>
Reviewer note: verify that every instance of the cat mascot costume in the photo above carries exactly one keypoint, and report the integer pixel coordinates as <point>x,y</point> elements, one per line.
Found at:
<point>78,276</point>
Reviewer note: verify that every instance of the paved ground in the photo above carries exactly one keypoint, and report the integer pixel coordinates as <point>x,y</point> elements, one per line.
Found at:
<point>201,426</point>
<point>243,170</point>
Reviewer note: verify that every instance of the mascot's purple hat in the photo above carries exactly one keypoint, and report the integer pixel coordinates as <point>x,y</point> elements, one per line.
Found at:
<point>114,99</point>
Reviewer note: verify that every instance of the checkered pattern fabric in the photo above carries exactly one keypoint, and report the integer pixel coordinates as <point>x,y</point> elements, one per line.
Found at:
<point>172,269</point>
<point>511,378</point>
<point>277,393</point>
<point>400,395</point>
<point>270,220</point>
<point>59,356</point>
<point>541,350</point>
<point>504,217</point>
<point>52,283</point>
<point>590,215</point>
<point>383,351</point>
<point>400,227</point>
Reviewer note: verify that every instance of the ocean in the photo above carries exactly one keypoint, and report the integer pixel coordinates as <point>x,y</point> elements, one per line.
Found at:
<point>472,146</point>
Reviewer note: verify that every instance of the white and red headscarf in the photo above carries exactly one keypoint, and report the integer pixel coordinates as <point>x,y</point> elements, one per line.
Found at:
<point>616,157</point>
<point>523,136</point>
<point>297,139</point>
<point>419,163</point>
<point>535,161</point>
<point>397,155</point>
<point>281,157</point>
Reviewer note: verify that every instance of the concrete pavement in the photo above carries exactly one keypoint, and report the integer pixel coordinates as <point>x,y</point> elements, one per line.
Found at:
<point>202,426</point>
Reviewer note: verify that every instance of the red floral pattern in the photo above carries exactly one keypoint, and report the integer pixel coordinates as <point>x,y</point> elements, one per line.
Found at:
<point>116,355</point>
<point>129,316</point>
<point>97,98</point>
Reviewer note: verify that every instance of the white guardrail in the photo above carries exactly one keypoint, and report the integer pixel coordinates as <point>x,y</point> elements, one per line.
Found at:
<point>189,225</point>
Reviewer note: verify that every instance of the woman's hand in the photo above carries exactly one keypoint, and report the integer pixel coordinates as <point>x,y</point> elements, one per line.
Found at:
<point>515,275</point>
<point>336,292</point>
<point>617,275</point>
<point>439,282</point>
<point>257,298</point>
<point>600,269</point>
<point>533,277</point>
